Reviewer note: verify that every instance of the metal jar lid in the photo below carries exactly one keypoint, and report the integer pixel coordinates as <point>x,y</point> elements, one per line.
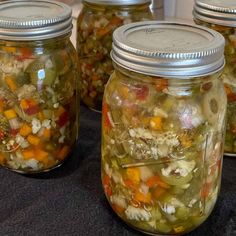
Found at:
<point>168,49</point>
<point>34,20</point>
<point>215,11</point>
<point>118,2</point>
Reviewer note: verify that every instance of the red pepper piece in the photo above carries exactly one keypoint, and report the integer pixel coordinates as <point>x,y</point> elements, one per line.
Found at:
<point>63,119</point>
<point>26,53</point>
<point>106,119</point>
<point>32,110</point>
<point>141,92</point>
<point>2,135</point>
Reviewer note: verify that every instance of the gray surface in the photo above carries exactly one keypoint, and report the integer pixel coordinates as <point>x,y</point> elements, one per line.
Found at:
<point>70,200</point>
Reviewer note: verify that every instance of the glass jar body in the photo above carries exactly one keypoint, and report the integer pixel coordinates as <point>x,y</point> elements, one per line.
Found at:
<point>229,79</point>
<point>39,103</point>
<point>95,26</point>
<point>162,145</point>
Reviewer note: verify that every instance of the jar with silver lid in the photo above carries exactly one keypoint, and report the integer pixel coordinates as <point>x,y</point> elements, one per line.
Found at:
<point>95,25</point>
<point>38,85</point>
<point>163,123</point>
<point>221,16</point>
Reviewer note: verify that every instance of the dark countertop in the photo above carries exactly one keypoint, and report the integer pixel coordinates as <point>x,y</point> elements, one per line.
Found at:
<point>70,199</point>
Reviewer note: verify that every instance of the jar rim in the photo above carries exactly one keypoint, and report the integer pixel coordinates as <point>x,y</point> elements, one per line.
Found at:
<point>117,2</point>
<point>168,49</point>
<point>40,19</point>
<point>220,13</point>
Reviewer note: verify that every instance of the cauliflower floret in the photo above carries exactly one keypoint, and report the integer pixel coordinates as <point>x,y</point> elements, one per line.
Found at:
<point>133,213</point>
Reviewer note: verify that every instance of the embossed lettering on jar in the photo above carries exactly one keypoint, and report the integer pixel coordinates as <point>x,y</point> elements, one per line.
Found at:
<point>95,26</point>
<point>38,85</point>
<point>221,16</point>
<point>163,124</point>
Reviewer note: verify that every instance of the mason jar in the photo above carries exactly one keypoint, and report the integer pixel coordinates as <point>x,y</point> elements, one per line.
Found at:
<point>222,18</point>
<point>38,85</point>
<point>95,25</point>
<point>163,123</point>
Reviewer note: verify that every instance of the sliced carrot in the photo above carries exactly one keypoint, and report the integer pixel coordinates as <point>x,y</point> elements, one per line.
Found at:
<point>24,104</point>
<point>156,181</point>
<point>106,120</point>
<point>34,140</point>
<point>2,159</point>
<point>9,49</point>
<point>156,123</point>
<point>115,20</point>
<point>106,180</point>
<point>10,114</point>
<point>133,174</point>
<point>161,84</point>
<point>41,116</point>
<point>60,111</point>
<point>63,152</point>
<point>117,208</point>
<point>41,155</point>
<point>230,95</point>
<point>28,154</point>
<point>1,105</point>
<point>158,192</point>
<point>95,77</point>
<point>130,184</point>
<point>10,82</point>
<point>206,190</point>
<point>103,31</point>
<point>141,197</point>
<point>47,133</point>
<point>25,130</point>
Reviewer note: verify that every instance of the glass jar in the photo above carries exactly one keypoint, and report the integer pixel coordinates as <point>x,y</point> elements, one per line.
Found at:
<point>95,24</point>
<point>218,16</point>
<point>38,85</point>
<point>163,123</point>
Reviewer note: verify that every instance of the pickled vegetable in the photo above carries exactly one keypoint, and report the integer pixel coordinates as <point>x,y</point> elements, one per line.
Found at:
<point>95,26</point>
<point>38,104</point>
<point>229,79</point>
<point>161,150</point>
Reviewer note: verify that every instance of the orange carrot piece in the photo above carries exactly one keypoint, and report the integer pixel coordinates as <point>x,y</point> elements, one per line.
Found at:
<point>60,111</point>
<point>156,123</point>
<point>10,82</point>
<point>156,181</point>
<point>133,174</point>
<point>63,152</point>
<point>47,133</point>
<point>10,114</point>
<point>2,159</point>
<point>28,154</point>
<point>130,184</point>
<point>24,104</point>
<point>161,85</point>
<point>206,190</point>
<point>41,155</point>
<point>116,21</point>
<point>34,140</point>
<point>141,197</point>
<point>41,116</point>
<point>158,192</point>
<point>106,180</point>
<point>117,208</point>
<point>1,105</point>
<point>25,130</point>
<point>9,49</point>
